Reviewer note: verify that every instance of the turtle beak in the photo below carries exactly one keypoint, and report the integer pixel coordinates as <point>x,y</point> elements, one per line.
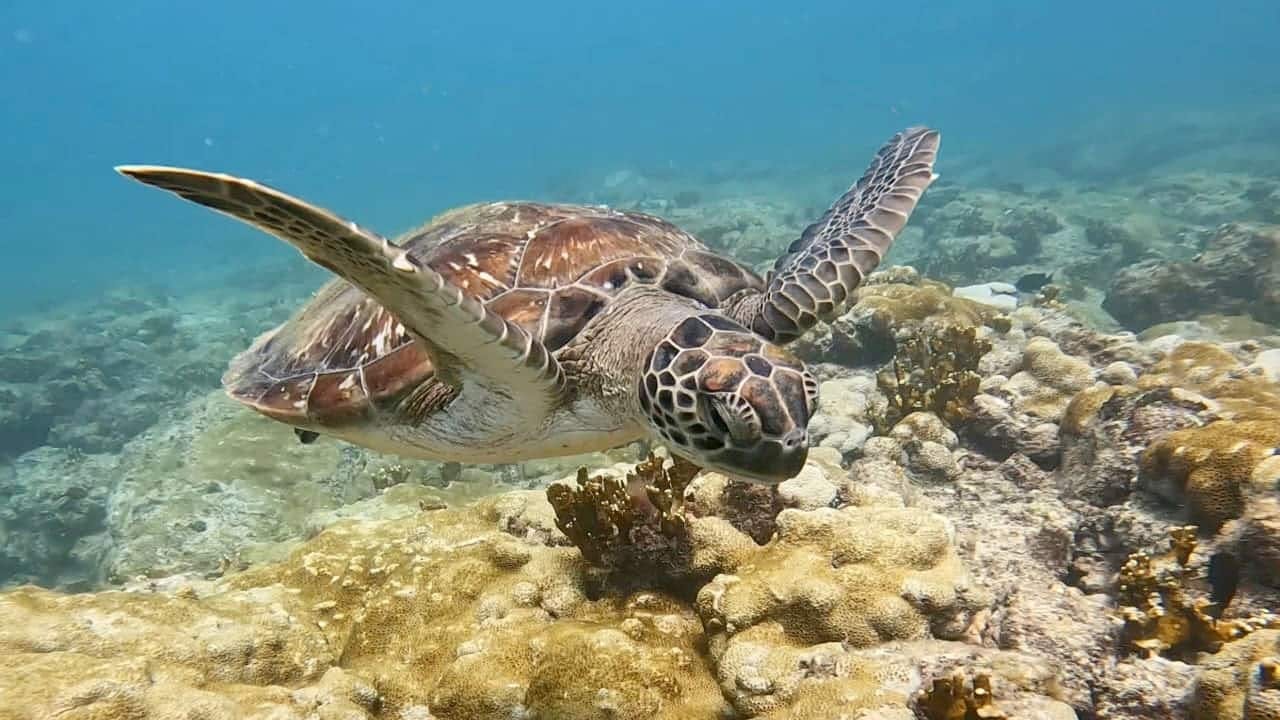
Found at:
<point>768,463</point>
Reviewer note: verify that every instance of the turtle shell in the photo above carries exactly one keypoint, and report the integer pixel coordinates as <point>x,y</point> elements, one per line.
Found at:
<point>547,268</point>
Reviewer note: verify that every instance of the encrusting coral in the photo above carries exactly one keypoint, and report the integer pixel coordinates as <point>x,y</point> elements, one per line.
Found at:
<point>439,609</point>
<point>889,306</point>
<point>893,303</point>
<point>1048,380</point>
<point>851,577</point>
<point>1232,390</point>
<point>1206,427</point>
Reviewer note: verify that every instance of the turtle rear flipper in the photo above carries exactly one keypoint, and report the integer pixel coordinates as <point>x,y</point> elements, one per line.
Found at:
<point>469,344</point>
<point>820,270</point>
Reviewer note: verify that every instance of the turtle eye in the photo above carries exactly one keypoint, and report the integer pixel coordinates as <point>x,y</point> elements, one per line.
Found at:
<point>731,417</point>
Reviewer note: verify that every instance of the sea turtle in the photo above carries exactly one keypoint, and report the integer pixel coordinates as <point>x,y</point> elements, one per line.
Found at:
<point>509,331</point>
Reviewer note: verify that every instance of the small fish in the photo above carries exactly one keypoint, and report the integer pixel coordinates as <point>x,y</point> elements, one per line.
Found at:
<point>1031,282</point>
<point>1224,578</point>
<point>306,437</point>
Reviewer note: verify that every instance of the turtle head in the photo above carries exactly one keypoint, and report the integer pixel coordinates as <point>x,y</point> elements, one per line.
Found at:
<point>718,395</point>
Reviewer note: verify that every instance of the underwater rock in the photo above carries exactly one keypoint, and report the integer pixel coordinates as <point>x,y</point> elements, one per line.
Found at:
<point>972,234</point>
<point>1000,431</point>
<point>1258,539</point>
<point>1027,226</point>
<point>53,508</point>
<point>91,377</point>
<point>1237,273</point>
<point>1016,537</point>
<point>1154,687</point>
<point>1211,199</point>
<point>746,228</point>
<point>1267,364</point>
<point>1105,429</point>
<point>1214,328</point>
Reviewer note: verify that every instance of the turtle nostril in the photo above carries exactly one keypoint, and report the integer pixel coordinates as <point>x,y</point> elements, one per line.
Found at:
<point>794,439</point>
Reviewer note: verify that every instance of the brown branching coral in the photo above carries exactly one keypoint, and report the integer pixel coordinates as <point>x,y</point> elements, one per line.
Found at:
<point>953,698</point>
<point>664,487</point>
<point>592,514</point>
<point>599,513</point>
<point>933,372</point>
<point>1162,615</point>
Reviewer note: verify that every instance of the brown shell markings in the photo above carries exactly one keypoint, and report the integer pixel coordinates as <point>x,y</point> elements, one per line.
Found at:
<point>547,268</point>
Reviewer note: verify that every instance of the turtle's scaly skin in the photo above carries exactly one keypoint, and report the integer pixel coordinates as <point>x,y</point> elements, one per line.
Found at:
<point>516,330</point>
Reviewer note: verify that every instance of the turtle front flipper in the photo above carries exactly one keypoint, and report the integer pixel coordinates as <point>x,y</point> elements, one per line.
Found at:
<point>819,272</point>
<point>469,345</point>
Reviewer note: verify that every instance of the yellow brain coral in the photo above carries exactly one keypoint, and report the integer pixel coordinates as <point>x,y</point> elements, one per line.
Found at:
<point>1216,467</point>
<point>1048,380</point>
<point>855,576</point>
<point>1214,373</point>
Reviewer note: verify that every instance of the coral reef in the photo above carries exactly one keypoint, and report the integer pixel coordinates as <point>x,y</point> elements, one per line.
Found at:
<point>438,609</point>
<point>1010,540</point>
<point>448,610</point>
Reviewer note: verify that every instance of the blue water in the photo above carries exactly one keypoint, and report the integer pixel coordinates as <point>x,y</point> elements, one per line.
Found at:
<point>390,111</point>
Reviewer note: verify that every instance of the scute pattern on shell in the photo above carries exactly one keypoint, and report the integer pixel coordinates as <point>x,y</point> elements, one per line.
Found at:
<point>547,268</point>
